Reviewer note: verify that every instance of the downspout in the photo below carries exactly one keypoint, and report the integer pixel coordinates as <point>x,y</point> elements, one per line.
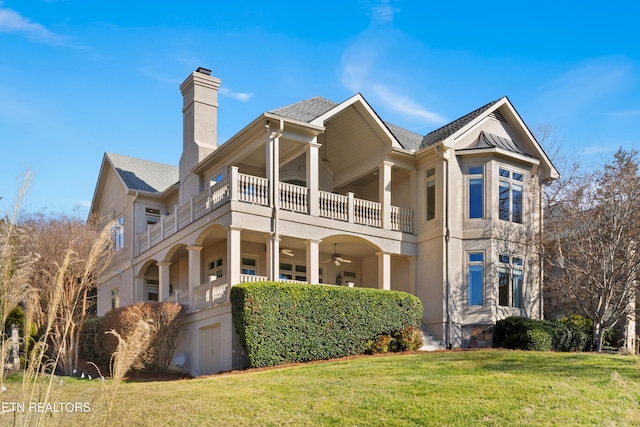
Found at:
<point>541,251</point>
<point>134,243</point>
<point>447,236</point>
<point>273,193</point>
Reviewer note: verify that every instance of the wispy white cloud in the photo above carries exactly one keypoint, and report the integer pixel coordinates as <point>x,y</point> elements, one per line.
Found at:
<point>598,149</point>
<point>586,84</point>
<point>240,96</point>
<point>152,73</point>
<point>405,105</point>
<point>624,113</point>
<point>367,67</point>
<point>382,13</point>
<point>12,22</point>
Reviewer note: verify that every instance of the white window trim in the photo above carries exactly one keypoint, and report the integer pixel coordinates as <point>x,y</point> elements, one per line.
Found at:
<point>469,264</point>
<point>510,268</point>
<point>468,178</point>
<point>511,181</point>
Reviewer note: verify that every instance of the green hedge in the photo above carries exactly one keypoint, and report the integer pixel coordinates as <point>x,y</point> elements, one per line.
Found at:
<point>542,335</point>
<point>283,322</point>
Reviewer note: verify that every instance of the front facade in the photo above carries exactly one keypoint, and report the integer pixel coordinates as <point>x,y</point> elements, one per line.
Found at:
<point>327,193</point>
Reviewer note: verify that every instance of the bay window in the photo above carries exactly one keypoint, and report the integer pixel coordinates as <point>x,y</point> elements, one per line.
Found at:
<point>510,275</point>
<point>476,277</point>
<point>510,195</point>
<point>476,192</point>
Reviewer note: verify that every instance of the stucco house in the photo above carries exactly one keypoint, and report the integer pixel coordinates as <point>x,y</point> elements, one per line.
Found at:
<point>328,193</point>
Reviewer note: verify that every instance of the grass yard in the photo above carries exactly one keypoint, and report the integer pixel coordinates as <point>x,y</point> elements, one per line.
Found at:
<point>459,388</point>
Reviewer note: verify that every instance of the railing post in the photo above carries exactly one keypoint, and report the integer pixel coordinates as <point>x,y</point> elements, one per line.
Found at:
<point>162,217</point>
<point>233,183</point>
<point>209,201</point>
<point>148,236</point>
<point>175,213</point>
<point>350,207</point>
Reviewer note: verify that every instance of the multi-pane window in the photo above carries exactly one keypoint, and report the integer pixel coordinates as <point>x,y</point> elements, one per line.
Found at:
<point>292,271</point>
<point>152,289</point>
<point>350,277</point>
<point>215,269</point>
<point>115,297</point>
<point>118,234</point>
<point>510,203</point>
<point>249,266</point>
<point>476,277</point>
<point>476,192</point>
<point>431,194</point>
<point>510,277</point>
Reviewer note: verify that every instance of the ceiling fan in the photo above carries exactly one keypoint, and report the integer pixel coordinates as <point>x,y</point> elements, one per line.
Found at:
<point>336,258</point>
<point>287,252</point>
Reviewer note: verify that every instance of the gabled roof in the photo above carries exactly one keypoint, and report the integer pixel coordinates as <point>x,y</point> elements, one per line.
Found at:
<point>310,109</point>
<point>143,175</point>
<point>408,139</point>
<point>449,129</point>
<point>307,110</point>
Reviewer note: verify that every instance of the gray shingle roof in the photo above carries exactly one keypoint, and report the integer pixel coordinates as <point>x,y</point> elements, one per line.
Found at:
<point>144,175</point>
<point>451,128</point>
<point>306,110</point>
<point>407,139</point>
<point>311,108</point>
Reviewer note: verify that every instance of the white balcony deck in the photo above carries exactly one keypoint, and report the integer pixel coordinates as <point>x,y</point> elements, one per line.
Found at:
<point>255,190</point>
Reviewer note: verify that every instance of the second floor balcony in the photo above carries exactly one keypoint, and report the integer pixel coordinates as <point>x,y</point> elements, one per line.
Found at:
<point>294,198</point>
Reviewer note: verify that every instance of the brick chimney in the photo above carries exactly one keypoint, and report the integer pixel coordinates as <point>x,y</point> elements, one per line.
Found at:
<point>200,127</point>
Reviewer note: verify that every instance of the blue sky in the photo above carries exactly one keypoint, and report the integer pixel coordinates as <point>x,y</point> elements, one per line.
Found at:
<point>79,77</point>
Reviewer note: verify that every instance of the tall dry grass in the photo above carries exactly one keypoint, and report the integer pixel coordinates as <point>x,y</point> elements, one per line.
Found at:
<point>60,323</point>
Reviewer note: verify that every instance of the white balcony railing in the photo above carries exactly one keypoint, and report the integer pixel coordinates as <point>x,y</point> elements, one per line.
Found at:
<point>334,206</point>
<point>295,198</point>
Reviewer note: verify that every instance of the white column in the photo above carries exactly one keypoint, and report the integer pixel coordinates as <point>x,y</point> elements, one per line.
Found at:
<point>233,183</point>
<point>313,260</point>
<point>163,279</point>
<point>384,188</point>
<point>274,257</point>
<point>195,272</point>
<point>313,179</point>
<point>384,270</point>
<point>234,260</point>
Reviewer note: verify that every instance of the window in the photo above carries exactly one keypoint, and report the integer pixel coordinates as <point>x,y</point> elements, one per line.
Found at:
<point>510,203</point>
<point>349,277</point>
<point>476,277</point>
<point>292,271</point>
<point>152,216</point>
<point>510,281</point>
<point>431,194</point>
<point>152,289</point>
<point>115,297</point>
<point>118,234</point>
<point>215,269</point>
<point>249,266</point>
<point>476,193</point>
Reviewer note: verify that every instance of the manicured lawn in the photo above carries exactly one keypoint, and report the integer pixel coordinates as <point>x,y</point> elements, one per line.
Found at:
<point>492,388</point>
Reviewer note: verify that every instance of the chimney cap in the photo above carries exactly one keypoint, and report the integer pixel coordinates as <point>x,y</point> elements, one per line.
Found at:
<point>203,70</point>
